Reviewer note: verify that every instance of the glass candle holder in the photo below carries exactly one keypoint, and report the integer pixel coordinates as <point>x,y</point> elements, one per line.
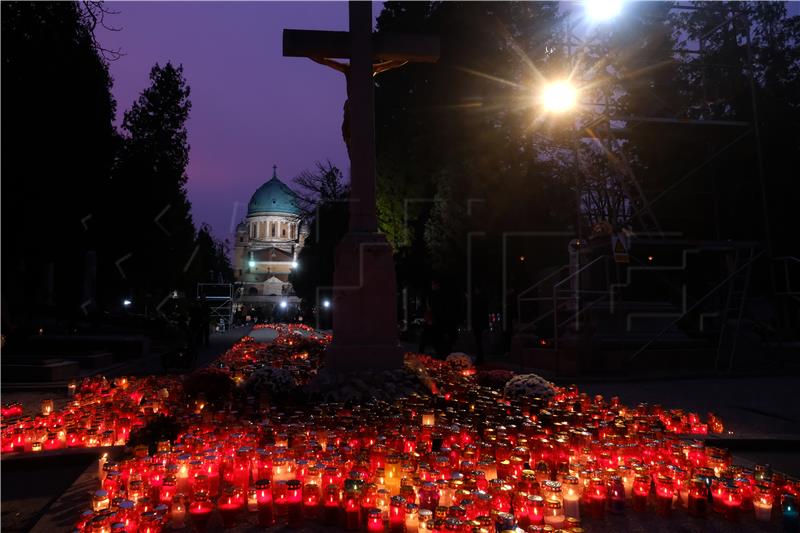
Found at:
<point>664,492</point>
<point>411,518</point>
<point>229,505</point>
<point>264,501</point>
<point>47,407</point>
<point>789,512</point>
<point>571,493</point>
<point>554,514</point>
<point>698,498</point>
<point>731,502</point>
<point>425,520</point>
<point>100,500</point>
<point>168,489</point>
<point>331,505</point>
<point>762,503</point>
<point>199,513</point>
<point>177,514</point>
<point>616,495</point>
<point>598,494</point>
<point>429,496</point>
<point>294,503</point>
<point>397,514</point>
<point>351,510</point>
<point>374,520</point>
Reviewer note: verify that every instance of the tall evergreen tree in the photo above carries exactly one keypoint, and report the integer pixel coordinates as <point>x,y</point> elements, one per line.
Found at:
<point>150,181</point>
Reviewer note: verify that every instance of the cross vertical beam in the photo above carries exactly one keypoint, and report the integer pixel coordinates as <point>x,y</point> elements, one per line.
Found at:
<point>362,133</point>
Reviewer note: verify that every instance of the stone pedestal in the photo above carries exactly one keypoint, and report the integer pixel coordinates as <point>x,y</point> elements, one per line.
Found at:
<point>364,306</point>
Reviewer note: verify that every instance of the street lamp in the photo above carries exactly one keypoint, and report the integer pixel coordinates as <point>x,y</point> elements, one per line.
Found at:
<point>559,96</point>
<point>251,264</point>
<point>295,264</point>
<point>283,304</point>
<point>602,10</point>
<point>326,304</point>
<point>126,303</point>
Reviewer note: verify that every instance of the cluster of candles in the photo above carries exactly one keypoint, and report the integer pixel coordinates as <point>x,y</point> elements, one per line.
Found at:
<point>99,412</point>
<point>465,459</point>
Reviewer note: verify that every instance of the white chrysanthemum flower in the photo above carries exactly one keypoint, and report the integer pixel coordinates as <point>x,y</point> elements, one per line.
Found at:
<point>529,385</point>
<point>460,359</point>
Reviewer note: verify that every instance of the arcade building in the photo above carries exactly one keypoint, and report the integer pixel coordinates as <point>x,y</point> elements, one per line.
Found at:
<point>267,244</point>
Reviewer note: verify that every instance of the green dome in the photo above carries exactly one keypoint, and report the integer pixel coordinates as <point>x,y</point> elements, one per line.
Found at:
<point>273,197</point>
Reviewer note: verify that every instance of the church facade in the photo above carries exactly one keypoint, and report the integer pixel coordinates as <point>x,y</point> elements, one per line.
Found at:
<point>267,244</point>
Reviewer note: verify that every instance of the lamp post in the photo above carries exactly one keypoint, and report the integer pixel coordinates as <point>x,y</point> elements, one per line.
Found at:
<point>560,97</point>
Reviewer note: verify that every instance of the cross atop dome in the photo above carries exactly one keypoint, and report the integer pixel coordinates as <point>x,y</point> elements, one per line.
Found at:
<point>274,172</point>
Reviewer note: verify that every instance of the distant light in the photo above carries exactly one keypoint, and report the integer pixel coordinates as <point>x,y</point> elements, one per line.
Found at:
<point>522,259</point>
<point>126,303</point>
<point>650,258</point>
<point>251,264</point>
<point>283,304</point>
<point>295,264</point>
<point>602,10</point>
<point>326,303</point>
<point>559,96</point>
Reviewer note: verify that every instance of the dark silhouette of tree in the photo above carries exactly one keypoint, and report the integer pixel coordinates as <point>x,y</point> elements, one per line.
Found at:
<point>58,143</point>
<point>212,262</point>
<point>324,183</point>
<point>323,197</point>
<point>150,181</point>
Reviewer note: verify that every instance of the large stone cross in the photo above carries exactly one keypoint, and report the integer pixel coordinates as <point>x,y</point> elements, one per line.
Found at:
<point>369,54</point>
<point>364,300</point>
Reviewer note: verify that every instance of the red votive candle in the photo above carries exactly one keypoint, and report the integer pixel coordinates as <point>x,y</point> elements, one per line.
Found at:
<point>641,490</point>
<point>229,505</point>
<point>598,494</point>
<point>351,507</point>
<point>310,500</point>
<point>264,499</point>
<point>664,493</point>
<point>294,503</point>
<point>397,514</point>
<point>535,510</point>
<point>331,506</point>
<point>200,512</point>
<point>167,490</point>
<point>374,520</point>
<point>279,499</point>
<point>698,498</point>
<point>731,502</point>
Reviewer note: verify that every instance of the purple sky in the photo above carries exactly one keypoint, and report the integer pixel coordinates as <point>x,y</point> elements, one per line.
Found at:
<point>251,107</point>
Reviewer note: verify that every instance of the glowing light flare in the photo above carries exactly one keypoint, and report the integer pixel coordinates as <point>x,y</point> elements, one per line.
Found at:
<point>602,10</point>
<point>559,97</point>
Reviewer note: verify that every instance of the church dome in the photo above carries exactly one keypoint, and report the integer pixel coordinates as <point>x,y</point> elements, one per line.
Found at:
<point>273,197</point>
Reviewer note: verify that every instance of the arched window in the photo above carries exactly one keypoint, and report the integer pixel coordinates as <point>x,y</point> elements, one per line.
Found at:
<point>252,230</point>
<point>274,229</point>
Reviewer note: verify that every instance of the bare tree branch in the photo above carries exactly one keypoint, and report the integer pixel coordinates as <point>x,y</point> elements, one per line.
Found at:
<point>94,12</point>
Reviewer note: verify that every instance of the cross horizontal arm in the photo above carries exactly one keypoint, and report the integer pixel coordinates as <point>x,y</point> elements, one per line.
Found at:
<point>336,44</point>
